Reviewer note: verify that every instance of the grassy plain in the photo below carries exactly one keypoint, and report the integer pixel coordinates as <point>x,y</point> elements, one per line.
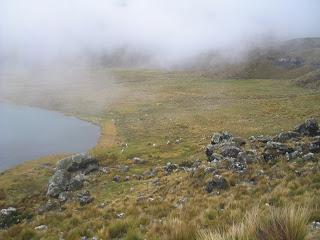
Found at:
<point>164,116</point>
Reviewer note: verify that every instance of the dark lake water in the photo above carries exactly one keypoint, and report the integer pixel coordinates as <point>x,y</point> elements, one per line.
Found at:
<point>28,133</point>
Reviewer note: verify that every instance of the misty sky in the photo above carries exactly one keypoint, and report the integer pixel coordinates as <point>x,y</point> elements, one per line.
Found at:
<point>170,29</point>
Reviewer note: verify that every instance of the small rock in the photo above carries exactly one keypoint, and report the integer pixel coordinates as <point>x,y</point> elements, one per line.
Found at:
<point>127,178</point>
<point>218,138</point>
<point>116,178</point>
<point>137,160</point>
<point>170,167</point>
<point>293,155</point>
<point>308,157</point>
<point>85,198</point>
<point>217,183</point>
<point>120,215</point>
<point>315,225</point>
<point>41,228</point>
<point>215,158</point>
<point>261,138</point>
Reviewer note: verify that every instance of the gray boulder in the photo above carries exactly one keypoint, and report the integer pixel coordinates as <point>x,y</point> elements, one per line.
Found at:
<point>309,128</point>
<point>58,183</point>
<point>78,162</point>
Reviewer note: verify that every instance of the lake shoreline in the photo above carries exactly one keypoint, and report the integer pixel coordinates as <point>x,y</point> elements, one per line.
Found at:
<point>69,116</point>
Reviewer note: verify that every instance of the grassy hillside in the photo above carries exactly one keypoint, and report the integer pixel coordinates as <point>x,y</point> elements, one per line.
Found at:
<point>309,80</point>
<point>290,59</point>
<point>170,117</point>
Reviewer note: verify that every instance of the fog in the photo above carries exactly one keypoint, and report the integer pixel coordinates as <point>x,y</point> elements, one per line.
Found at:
<point>166,31</point>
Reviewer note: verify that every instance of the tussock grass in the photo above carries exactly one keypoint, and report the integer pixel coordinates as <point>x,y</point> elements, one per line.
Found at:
<point>288,223</point>
<point>176,229</point>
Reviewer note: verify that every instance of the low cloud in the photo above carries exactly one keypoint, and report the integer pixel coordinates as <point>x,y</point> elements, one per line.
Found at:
<point>167,30</point>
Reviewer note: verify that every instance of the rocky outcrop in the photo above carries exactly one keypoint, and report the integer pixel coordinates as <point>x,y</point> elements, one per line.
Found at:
<point>70,175</point>
<point>304,139</point>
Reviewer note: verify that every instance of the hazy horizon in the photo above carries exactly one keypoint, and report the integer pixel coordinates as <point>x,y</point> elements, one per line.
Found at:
<point>37,31</point>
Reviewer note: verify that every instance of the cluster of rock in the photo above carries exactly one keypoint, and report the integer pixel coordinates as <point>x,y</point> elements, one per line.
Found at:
<point>70,175</point>
<point>289,62</point>
<point>303,142</point>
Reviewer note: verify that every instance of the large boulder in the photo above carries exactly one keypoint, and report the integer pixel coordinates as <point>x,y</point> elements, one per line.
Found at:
<point>78,162</point>
<point>309,128</point>
<point>70,174</point>
<point>58,183</point>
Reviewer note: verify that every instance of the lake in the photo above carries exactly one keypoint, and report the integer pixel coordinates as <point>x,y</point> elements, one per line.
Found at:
<point>28,133</point>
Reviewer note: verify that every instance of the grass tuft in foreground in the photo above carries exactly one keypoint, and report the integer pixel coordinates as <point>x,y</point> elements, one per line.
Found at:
<point>288,223</point>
